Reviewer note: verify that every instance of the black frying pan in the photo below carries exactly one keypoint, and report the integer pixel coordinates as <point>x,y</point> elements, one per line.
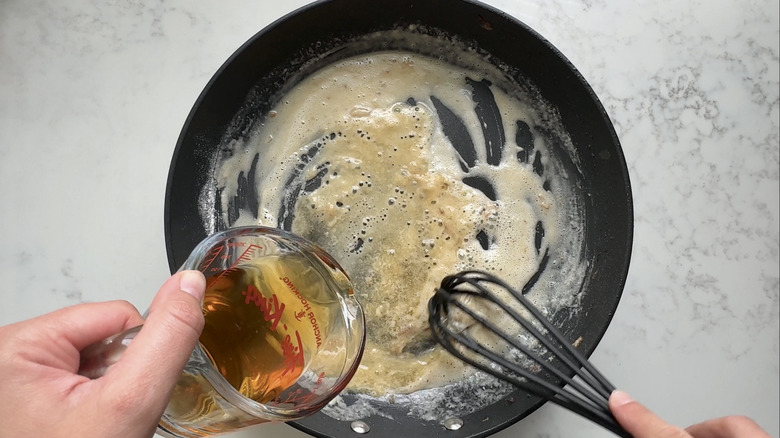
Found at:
<point>243,90</point>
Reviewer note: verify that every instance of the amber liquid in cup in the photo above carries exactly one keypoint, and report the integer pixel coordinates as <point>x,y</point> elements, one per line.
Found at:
<point>265,321</point>
<point>258,339</point>
<point>283,335</point>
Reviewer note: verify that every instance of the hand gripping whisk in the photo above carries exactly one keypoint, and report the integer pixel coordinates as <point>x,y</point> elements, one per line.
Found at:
<point>511,358</point>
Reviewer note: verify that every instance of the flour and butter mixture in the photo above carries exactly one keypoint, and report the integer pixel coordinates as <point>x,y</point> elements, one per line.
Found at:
<point>355,158</point>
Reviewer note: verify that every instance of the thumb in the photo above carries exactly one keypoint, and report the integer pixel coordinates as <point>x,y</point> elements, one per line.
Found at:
<point>639,421</point>
<point>145,376</point>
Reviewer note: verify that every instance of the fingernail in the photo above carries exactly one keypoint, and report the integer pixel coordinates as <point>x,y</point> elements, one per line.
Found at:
<point>620,398</point>
<point>194,283</point>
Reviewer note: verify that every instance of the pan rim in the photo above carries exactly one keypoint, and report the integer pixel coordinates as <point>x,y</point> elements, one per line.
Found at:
<point>622,271</point>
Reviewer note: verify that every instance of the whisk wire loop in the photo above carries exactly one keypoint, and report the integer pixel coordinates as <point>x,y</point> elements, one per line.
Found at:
<point>571,360</point>
<point>545,388</point>
<point>587,396</point>
<point>520,346</point>
<point>600,384</point>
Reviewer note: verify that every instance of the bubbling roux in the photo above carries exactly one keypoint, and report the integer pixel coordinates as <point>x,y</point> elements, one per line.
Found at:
<point>357,159</point>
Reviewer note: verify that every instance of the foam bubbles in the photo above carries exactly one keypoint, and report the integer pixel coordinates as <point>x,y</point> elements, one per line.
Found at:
<point>393,209</point>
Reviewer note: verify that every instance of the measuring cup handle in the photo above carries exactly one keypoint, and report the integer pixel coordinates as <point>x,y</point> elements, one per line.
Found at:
<point>98,357</point>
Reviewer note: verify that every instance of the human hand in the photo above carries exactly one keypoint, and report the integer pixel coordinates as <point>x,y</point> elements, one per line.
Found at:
<point>39,359</point>
<point>640,422</point>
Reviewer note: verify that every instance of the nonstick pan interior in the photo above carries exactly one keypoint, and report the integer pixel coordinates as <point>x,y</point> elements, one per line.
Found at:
<point>244,89</point>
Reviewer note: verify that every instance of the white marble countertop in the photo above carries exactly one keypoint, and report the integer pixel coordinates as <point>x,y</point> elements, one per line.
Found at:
<point>93,96</point>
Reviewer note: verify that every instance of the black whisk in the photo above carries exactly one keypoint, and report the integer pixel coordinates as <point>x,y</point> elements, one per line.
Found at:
<point>587,396</point>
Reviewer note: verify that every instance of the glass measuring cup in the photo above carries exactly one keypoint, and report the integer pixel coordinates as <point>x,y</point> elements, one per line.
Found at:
<point>283,335</point>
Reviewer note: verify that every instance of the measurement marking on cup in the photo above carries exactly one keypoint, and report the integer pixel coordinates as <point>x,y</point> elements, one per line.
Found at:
<point>244,257</point>
<point>212,255</point>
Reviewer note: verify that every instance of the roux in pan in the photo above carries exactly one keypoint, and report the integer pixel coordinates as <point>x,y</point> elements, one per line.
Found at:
<point>367,158</point>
